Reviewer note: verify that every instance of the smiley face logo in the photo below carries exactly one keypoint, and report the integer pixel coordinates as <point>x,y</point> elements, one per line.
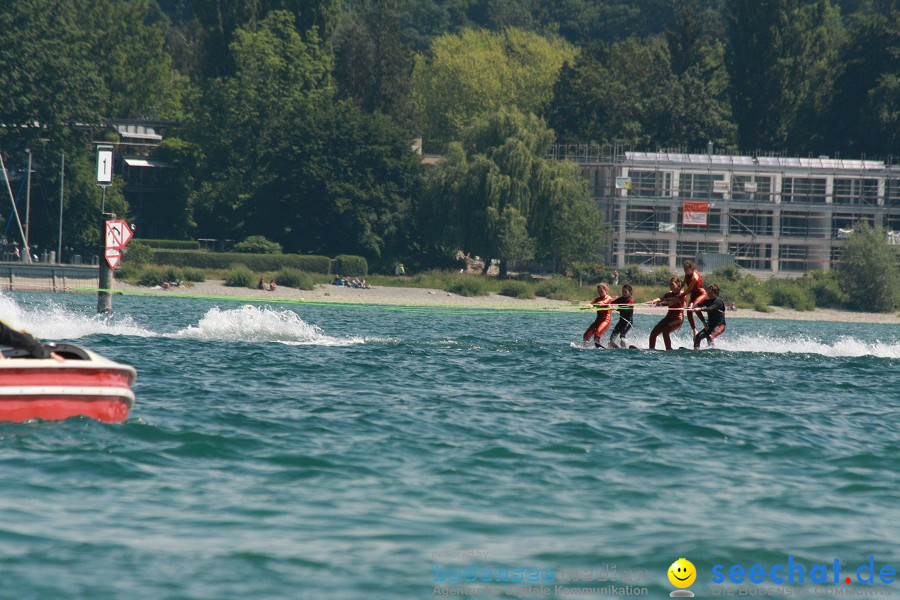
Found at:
<point>682,573</point>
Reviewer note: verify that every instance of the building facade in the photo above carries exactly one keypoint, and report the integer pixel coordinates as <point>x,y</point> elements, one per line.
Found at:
<point>770,215</point>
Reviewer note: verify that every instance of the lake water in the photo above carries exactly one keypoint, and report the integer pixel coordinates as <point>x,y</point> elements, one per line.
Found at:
<point>291,451</point>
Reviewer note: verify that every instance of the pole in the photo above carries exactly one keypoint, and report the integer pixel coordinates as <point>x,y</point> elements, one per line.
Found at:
<point>62,179</point>
<point>28,207</point>
<point>103,201</point>
<point>104,294</point>
<point>12,200</point>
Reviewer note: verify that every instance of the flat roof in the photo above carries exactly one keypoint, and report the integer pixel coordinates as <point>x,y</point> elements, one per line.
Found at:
<point>766,162</point>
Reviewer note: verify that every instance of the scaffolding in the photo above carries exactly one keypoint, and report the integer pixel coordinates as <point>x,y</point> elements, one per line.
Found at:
<point>774,214</point>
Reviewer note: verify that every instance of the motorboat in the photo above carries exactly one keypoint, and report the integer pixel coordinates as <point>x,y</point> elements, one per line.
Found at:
<point>82,384</point>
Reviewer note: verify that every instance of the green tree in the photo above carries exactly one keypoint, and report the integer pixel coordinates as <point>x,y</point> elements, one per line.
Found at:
<point>241,118</point>
<point>220,20</point>
<point>133,61</point>
<point>48,79</point>
<point>373,62</point>
<point>628,93</point>
<point>476,73</point>
<point>515,245</point>
<point>864,114</point>
<point>283,158</point>
<point>780,58</point>
<point>498,175</point>
<point>868,270</point>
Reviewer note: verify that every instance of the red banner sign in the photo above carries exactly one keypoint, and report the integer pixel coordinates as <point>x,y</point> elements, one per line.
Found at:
<point>695,213</point>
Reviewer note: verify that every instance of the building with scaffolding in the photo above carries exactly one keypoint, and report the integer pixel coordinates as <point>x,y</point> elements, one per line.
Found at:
<point>771,215</point>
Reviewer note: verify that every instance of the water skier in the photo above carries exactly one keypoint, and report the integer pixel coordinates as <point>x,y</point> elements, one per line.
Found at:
<point>674,316</point>
<point>715,320</point>
<point>604,316</point>
<point>626,317</point>
<point>693,292</point>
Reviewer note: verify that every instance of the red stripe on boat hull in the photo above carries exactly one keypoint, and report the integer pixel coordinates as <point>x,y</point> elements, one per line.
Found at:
<point>77,377</point>
<point>109,409</point>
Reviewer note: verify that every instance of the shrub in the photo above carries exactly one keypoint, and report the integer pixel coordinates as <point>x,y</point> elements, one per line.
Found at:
<point>138,254</point>
<point>191,274</point>
<point>471,285</point>
<point>153,276</point>
<point>240,275</point>
<point>791,294</point>
<point>556,288</point>
<point>353,266</point>
<point>825,288</point>
<point>257,244</point>
<point>202,259</point>
<point>516,289</point>
<point>294,278</point>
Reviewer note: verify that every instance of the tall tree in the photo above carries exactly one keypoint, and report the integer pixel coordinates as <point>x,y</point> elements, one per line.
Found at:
<point>498,178</point>
<point>373,62</point>
<point>628,93</point>
<point>48,78</point>
<point>476,73</point>
<point>221,19</point>
<point>779,57</point>
<point>864,115</point>
<point>282,158</point>
<point>133,60</point>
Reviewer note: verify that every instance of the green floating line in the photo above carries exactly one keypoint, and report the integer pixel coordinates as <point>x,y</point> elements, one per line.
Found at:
<point>412,308</point>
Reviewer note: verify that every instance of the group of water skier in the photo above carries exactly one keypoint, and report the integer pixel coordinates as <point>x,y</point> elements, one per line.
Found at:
<point>684,296</point>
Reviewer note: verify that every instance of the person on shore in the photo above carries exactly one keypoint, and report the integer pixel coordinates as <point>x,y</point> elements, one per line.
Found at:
<point>604,316</point>
<point>272,286</point>
<point>261,285</point>
<point>623,304</point>
<point>715,317</point>
<point>674,318</point>
<point>25,341</point>
<point>693,292</point>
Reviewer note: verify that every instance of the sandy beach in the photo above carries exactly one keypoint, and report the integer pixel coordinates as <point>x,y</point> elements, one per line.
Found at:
<point>403,296</point>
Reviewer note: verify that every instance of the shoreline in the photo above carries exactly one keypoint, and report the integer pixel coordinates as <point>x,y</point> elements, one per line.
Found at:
<point>421,297</point>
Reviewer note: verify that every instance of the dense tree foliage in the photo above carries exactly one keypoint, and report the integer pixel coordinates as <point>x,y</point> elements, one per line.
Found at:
<point>781,60</point>
<point>477,72</point>
<point>497,196</point>
<point>294,118</point>
<point>868,270</point>
<point>285,159</point>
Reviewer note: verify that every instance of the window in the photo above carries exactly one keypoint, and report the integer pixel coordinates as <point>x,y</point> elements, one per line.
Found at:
<point>803,189</point>
<point>646,217</point>
<point>750,188</point>
<point>752,256</point>
<point>647,252</point>
<point>856,191</point>
<point>750,222</point>
<point>892,191</point>
<point>700,186</point>
<point>794,258</point>
<point>650,184</point>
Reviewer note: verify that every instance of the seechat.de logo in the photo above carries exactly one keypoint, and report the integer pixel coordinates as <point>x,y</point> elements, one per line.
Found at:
<point>682,574</point>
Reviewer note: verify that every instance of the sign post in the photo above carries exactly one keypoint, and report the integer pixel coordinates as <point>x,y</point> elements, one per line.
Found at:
<point>104,180</point>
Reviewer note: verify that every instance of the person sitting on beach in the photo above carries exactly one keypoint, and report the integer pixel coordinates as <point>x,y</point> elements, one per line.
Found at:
<point>25,341</point>
<point>693,292</point>
<point>604,316</point>
<point>261,285</point>
<point>715,320</point>
<point>674,318</point>
<point>337,280</point>
<point>626,317</point>
<point>365,285</point>
<point>272,286</point>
